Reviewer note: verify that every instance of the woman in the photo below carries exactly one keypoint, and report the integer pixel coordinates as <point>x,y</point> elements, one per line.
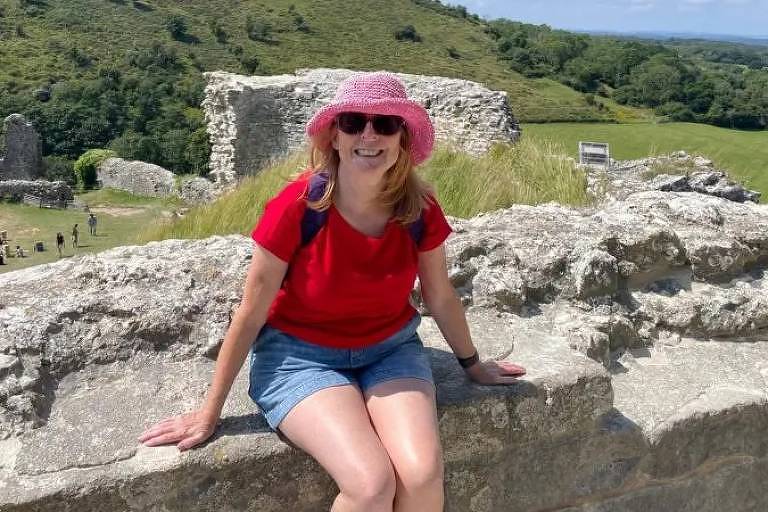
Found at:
<point>337,367</point>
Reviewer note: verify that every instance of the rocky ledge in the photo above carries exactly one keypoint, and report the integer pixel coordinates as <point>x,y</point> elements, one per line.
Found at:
<point>676,172</point>
<point>643,325</point>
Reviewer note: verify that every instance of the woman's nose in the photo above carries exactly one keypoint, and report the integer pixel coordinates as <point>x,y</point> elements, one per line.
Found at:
<point>368,131</point>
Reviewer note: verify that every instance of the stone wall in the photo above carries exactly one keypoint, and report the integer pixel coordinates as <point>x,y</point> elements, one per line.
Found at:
<point>136,177</point>
<point>15,190</point>
<point>642,324</point>
<point>147,179</point>
<point>197,191</point>
<point>253,119</point>
<point>23,159</point>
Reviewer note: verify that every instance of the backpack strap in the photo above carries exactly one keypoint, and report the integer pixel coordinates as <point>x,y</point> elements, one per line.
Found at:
<point>416,229</point>
<point>313,220</point>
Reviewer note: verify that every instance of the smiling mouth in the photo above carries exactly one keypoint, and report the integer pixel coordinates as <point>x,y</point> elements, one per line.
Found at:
<point>368,152</point>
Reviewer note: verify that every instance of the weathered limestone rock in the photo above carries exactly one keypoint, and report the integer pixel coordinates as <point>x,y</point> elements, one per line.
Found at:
<point>683,173</point>
<point>253,119</point>
<point>24,154</point>
<point>646,387</point>
<point>136,177</point>
<point>197,191</point>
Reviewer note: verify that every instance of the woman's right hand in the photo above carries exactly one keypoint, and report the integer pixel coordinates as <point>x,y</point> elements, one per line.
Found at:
<point>188,430</point>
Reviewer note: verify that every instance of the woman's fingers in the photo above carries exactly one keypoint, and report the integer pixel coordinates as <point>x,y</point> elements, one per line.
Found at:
<point>506,380</point>
<point>165,426</point>
<point>170,437</point>
<point>495,372</point>
<point>187,430</point>
<point>510,368</point>
<point>191,441</point>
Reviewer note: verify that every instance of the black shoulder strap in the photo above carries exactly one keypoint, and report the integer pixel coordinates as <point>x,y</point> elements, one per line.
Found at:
<point>313,220</point>
<point>416,229</point>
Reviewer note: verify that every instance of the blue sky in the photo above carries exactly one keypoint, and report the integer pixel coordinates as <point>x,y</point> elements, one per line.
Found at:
<point>737,17</point>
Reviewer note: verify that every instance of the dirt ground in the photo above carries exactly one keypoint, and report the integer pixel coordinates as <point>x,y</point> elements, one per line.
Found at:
<point>117,211</point>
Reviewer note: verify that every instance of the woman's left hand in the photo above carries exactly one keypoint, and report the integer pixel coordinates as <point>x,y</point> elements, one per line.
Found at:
<point>494,372</point>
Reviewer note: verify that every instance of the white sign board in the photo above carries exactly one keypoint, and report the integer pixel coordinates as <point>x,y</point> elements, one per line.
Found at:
<point>595,153</point>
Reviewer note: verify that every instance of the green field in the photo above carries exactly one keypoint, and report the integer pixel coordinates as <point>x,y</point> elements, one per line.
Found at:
<point>744,154</point>
<point>120,217</point>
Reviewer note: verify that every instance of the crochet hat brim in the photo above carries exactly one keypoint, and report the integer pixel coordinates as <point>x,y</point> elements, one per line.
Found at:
<point>417,121</point>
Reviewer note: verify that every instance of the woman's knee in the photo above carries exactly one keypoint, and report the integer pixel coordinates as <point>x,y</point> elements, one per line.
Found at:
<point>374,484</point>
<point>421,472</point>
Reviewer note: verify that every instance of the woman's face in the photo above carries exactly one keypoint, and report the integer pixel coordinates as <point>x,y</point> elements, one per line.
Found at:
<point>368,151</point>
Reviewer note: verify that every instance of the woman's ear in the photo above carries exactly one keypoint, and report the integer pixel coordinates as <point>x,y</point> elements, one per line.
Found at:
<point>335,139</point>
<point>334,136</point>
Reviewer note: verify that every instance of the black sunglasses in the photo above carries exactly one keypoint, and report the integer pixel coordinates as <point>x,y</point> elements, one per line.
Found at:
<point>354,123</point>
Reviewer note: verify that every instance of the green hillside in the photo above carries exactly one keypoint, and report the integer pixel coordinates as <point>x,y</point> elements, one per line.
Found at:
<point>47,42</point>
<point>127,74</point>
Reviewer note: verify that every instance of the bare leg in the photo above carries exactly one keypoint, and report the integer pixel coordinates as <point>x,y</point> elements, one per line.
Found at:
<point>333,427</point>
<point>404,415</point>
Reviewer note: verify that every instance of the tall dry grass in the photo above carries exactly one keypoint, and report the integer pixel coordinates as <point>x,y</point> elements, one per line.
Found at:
<point>527,172</point>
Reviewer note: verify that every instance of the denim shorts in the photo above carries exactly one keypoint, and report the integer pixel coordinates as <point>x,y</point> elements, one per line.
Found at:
<point>285,369</point>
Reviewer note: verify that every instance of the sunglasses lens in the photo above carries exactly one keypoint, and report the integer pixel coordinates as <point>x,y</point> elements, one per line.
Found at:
<point>386,125</point>
<point>351,122</point>
<point>354,123</point>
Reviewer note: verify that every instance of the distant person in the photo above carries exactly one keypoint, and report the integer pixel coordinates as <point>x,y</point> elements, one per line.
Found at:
<point>19,252</point>
<point>2,257</point>
<point>92,224</point>
<point>75,234</point>
<point>59,242</point>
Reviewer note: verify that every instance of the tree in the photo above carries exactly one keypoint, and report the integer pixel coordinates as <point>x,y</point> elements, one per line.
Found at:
<point>176,26</point>
<point>258,30</point>
<point>408,33</point>
<point>86,165</point>
<point>218,32</point>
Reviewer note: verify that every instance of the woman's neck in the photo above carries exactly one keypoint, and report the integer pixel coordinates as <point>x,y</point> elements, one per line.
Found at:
<point>358,193</point>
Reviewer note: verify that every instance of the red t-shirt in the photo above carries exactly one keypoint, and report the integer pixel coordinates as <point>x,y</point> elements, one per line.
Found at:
<point>343,289</point>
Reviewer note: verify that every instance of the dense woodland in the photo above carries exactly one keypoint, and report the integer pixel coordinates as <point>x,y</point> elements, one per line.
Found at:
<point>143,101</point>
<point>723,84</point>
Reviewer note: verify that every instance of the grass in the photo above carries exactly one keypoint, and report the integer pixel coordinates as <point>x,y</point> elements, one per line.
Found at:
<point>670,167</point>
<point>523,173</point>
<point>235,212</point>
<point>121,216</point>
<point>742,153</point>
<point>526,173</point>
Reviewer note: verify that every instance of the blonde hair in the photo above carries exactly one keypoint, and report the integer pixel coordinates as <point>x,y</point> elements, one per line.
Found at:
<point>405,192</point>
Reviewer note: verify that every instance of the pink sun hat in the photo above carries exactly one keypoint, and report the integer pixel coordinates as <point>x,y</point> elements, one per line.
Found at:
<point>379,93</point>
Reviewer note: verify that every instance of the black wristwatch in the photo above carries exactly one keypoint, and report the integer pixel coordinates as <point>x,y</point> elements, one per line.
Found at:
<point>466,362</point>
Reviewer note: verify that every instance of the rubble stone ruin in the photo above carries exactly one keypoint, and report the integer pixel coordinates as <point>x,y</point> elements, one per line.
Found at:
<point>23,159</point>
<point>254,119</point>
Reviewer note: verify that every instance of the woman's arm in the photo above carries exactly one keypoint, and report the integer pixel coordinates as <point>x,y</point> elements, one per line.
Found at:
<point>262,283</point>
<point>445,307</point>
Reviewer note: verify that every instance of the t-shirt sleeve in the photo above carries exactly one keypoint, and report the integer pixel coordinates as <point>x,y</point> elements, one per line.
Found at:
<point>279,228</point>
<point>436,227</point>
